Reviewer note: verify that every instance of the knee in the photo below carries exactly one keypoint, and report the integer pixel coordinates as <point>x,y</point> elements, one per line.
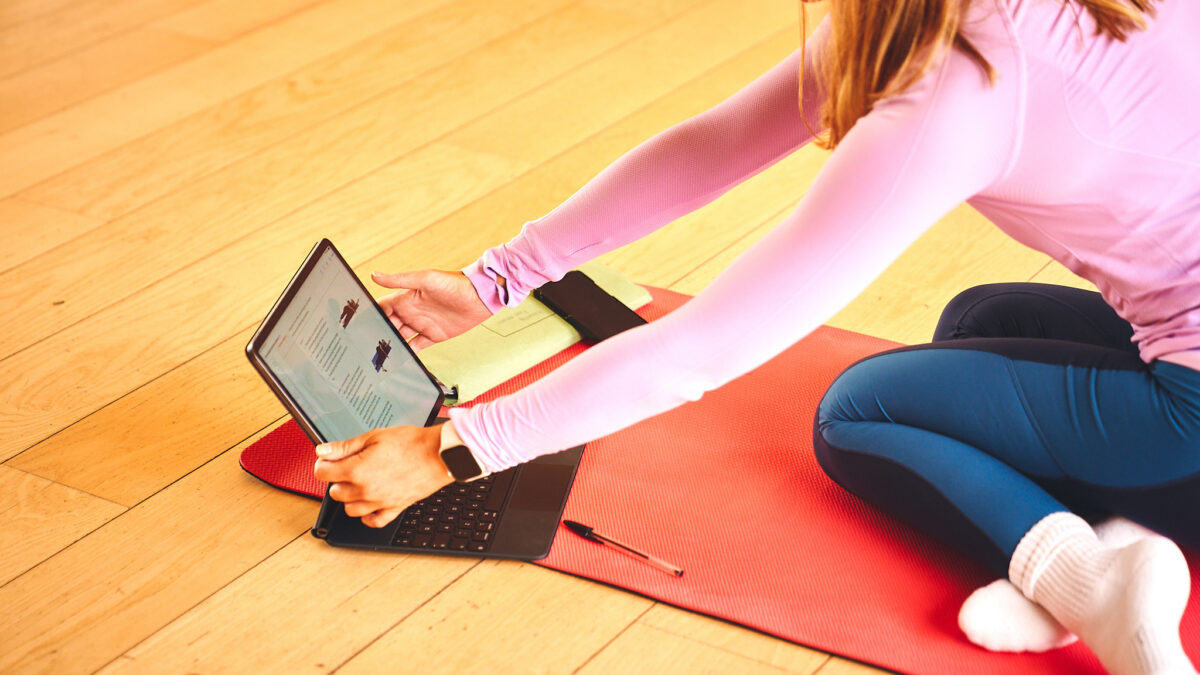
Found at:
<point>957,318</point>
<point>849,399</point>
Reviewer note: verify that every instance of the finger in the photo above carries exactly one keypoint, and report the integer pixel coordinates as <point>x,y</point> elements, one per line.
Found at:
<point>339,470</point>
<point>407,332</point>
<point>381,518</point>
<point>359,509</point>
<point>420,342</point>
<point>345,492</point>
<point>397,279</point>
<point>335,450</point>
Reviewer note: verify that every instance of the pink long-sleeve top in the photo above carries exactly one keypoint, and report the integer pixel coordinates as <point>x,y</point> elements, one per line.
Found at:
<point>1085,148</point>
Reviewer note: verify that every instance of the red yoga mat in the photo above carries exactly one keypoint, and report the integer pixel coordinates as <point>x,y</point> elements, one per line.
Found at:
<point>728,489</point>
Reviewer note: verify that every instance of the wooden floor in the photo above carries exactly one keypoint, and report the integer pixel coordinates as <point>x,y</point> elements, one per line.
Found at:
<point>164,165</point>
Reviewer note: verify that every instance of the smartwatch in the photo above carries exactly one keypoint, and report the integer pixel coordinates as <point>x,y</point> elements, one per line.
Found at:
<point>458,458</point>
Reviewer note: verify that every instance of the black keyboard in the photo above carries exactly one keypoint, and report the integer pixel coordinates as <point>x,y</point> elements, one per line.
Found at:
<point>459,517</point>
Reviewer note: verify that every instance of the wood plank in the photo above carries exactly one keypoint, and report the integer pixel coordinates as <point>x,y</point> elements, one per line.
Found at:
<point>226,20</point>
<point>149,438</point>
<point>518,616</point>
<point>40,91</point>
<point>840,666</point>
<point>734,639</point>
<point>323,605</point>
<point>520,130</point>
<point>32,229</point>
<point>112,589</point>
<point>56,143</point>
<point>41,518</point>
<point>13,12</point>
<point>130,176</point>
<point>126,345</point>
<point>645,649</point>
<point>1055,273</point>
<point>39,407</point>
<point>46,37</point>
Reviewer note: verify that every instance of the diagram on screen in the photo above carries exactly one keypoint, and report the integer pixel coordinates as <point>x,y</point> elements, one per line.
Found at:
<point>348,311</point>
<point>381,353</point>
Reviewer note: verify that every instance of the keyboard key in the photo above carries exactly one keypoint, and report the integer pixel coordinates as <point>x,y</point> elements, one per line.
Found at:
<point>458,544</point>
<point>441,541</point>
<point>422,540</point>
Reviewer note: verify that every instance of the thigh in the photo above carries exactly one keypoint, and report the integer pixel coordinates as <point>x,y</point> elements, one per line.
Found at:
<point>1048,408</point>
<point>1037,311</point>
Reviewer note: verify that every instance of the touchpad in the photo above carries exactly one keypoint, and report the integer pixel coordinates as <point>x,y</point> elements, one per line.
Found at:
<point>541,487</point>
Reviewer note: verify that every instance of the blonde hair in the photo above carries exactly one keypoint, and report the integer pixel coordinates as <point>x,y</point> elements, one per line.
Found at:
<point>879,48</point>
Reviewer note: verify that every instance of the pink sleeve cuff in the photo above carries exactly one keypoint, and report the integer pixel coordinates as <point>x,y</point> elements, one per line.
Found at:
<point>484,280</point>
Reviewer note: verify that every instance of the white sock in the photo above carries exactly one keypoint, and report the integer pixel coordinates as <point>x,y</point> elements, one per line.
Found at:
<point>1000,618</point>
<point>1124,603</point>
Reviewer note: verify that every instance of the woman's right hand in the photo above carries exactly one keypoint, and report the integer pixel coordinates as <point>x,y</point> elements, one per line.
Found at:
<point>431,305</point>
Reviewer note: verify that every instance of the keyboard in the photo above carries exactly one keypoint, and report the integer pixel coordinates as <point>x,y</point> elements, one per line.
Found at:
<point>459,517</point>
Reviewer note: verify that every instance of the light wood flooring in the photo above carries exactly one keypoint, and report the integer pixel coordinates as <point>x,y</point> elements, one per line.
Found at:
<point>164,165</point>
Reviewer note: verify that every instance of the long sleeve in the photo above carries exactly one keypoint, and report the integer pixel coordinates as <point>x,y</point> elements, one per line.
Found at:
<point>903,166</point>
<point>667,176</point>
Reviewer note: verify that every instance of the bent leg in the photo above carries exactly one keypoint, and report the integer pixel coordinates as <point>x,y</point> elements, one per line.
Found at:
<point>976,440</point>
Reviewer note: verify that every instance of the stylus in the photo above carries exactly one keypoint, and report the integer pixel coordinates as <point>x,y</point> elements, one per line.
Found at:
<point>592,535</point>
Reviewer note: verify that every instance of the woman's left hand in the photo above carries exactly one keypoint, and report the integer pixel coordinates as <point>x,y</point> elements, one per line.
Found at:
<point>384,471</point>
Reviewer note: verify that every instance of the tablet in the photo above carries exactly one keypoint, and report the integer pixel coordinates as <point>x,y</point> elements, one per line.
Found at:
<point>334,359</point>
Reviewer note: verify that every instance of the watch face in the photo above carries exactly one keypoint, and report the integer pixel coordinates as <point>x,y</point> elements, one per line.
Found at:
<point>461,463</point>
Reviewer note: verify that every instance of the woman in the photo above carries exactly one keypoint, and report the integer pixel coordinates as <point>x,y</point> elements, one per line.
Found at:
<point>1070,125</point>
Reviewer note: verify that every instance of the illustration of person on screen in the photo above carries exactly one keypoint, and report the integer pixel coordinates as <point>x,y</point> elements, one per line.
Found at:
<point>348,312</point>
<point>381,353</point>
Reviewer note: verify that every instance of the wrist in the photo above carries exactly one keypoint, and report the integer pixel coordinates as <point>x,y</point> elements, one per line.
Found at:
<point>458,460</point>
<point>490,286</point>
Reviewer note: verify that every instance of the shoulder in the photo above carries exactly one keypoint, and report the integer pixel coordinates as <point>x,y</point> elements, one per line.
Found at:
<point>955,108</point>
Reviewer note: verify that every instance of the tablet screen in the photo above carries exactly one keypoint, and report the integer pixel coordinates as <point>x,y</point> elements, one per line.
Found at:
<point>340,361</point>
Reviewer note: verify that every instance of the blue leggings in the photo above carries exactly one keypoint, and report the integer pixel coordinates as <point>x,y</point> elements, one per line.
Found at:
<point>1030,400</point>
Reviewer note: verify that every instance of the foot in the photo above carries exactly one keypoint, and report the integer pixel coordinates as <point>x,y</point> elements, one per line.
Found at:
<point>1124,603</point>
<point>998,617</point>
<point>1131,618</point>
